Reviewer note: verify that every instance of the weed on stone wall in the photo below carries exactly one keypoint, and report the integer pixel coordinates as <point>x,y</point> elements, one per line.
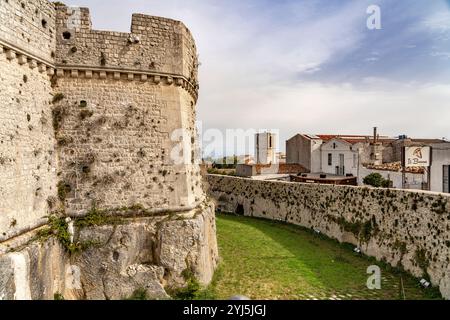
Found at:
<point>104,181</point>
<point>96,217</point>
<point>362,230</point>
<point>58,227</point>
<point>57,98</point>
<point>421,259</point>
<point>192,289</point>
<point>64,141</point>
<point>58,114</point>
<point>13,223</point>
<point>439,206</point>
<point>139,294</point>
<point>84,114</point>
<point>58,296</point>
<point>63,189</point>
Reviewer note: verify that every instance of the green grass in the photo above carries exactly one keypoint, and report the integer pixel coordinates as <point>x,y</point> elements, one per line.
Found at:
<point>263,259</point>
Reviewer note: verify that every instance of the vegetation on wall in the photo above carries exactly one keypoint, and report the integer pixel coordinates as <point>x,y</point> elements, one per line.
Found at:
<point>63,189</point>
<point>57,98</point>
<point>58,227</point>
<point>420,257</point>
<point>191,290</point>
<point>58,113</point>
<point>139,294</point>
<point>96,217</point>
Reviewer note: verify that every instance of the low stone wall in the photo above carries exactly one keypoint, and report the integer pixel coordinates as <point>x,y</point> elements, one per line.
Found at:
<point>403,228</point>
<point>249,170</point>
<point>115,259</point>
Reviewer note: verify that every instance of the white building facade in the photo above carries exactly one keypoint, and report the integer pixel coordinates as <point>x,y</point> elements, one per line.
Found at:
<point>360,156</point>
<point>339,157</point>
<point>440,167</point>
<point>266,148</point>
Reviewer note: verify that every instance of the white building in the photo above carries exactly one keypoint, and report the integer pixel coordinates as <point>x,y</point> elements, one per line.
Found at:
<point>334,154</point>
<point>440,167</point>
<point>362,155</point>
<point>265,145</point>
<point>340,157</point>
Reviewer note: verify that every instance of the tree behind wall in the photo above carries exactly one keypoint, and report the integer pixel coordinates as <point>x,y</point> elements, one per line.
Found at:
<point>376,180</point>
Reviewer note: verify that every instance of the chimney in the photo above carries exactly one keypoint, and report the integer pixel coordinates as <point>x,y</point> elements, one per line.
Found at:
<point>375,134</point>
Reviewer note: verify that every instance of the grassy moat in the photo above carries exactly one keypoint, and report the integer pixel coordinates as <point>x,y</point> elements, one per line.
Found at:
<point>269,260</point>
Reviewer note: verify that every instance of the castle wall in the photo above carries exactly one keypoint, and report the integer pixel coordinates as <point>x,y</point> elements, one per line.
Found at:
<point>30,26</point>
<point>151,253</point>
<point>123,104</point>
<point>404,228</point>
<point>27,145</point>
<point>95,120</point>
<point>155,44</point>
<point>115,150</point>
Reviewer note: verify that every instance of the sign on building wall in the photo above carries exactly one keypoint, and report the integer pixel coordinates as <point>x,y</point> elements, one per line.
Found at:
<point>417,156</point>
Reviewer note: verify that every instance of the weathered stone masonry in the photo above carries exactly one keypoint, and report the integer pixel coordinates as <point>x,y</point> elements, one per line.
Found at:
<point>86,125</point>
<point>404,228</point>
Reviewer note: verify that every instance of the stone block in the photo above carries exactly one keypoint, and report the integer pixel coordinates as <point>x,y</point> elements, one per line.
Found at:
<point>10,55</point>
<point>21,59</point>
<point>42,67</point>
<point>33,64</point>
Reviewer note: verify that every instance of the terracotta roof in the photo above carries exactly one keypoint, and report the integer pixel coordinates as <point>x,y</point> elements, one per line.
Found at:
<point>353,139</point>
<point>395,166</point>
<point>427,140</point>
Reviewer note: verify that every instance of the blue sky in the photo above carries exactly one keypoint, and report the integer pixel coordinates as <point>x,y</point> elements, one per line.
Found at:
<point>312,65</point>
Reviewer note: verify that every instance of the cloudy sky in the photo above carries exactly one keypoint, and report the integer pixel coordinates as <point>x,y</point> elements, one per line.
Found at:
<point>311,66</point>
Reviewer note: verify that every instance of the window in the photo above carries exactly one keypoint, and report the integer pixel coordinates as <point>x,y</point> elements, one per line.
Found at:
<point>355,160</point>
<point>341,164</point>
<point>330,159</point>
<point>270,142</point>
<point>446,179</point>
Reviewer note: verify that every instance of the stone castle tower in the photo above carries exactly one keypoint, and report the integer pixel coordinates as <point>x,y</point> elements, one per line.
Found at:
<point>97,131</point>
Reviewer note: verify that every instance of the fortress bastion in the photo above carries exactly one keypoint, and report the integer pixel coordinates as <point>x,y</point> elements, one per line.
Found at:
<point>91,126</point>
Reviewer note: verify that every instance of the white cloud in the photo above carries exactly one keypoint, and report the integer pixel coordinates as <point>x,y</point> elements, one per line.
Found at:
<point>345,109</point>
<point>441,54</point>
<point>252,55</point>
<point>438,22</point>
